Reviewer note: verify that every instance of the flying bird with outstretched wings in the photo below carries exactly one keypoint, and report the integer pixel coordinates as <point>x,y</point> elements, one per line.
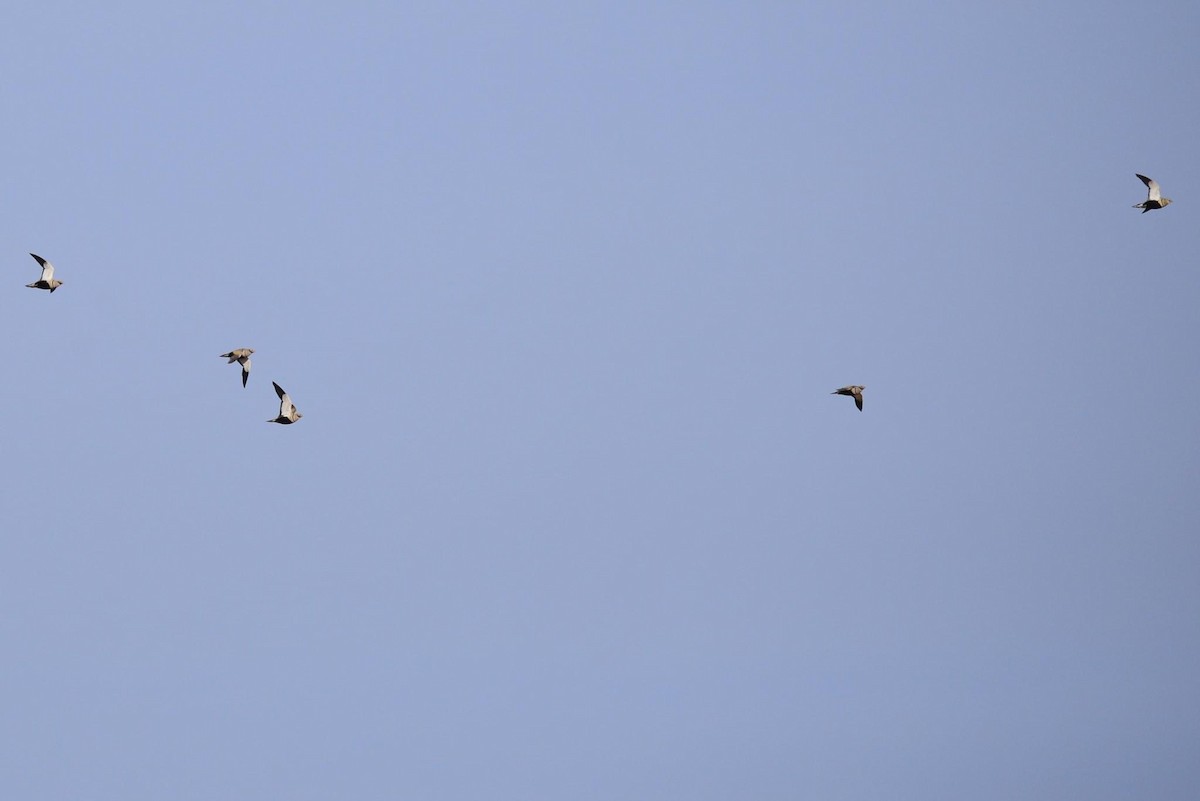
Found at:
<point>1154,198</point>
<point>47,281</point>
<point>287,409</point>
<point>242,357</point>
<point>853,391</point>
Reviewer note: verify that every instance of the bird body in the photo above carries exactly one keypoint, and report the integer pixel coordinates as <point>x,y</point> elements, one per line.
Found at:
<point>853,391</point>
<point>242,357</point>
<point>287,410</point>
<point>47,281</point>
<point>1154,198</point>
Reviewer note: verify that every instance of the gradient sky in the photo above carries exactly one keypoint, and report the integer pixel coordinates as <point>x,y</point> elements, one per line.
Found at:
<point>562,291</point>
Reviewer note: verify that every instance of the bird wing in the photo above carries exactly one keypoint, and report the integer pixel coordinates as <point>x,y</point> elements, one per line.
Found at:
<point>1152,190</point>
<point>245,371</point>
<point>285,403</point>
<point>47,267</point>
<point>858,401</point>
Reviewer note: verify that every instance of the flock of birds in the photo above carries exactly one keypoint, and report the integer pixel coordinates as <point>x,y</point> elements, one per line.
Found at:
<point>288,413</point>
<point>1154,200</point>
<point>287,410</point>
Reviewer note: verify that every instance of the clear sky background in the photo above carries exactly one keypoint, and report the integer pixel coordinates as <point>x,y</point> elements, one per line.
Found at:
<point>562,291</point>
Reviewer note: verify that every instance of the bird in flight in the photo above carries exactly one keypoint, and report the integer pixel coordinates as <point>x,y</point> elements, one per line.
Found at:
<point>242,357</point>
<point>287,410</point>
<point>1154,198</point>
<point>47,281</point>
<point>854,391</point>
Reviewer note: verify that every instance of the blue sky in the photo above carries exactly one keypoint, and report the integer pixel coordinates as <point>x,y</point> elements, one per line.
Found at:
<point>562,292</point>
